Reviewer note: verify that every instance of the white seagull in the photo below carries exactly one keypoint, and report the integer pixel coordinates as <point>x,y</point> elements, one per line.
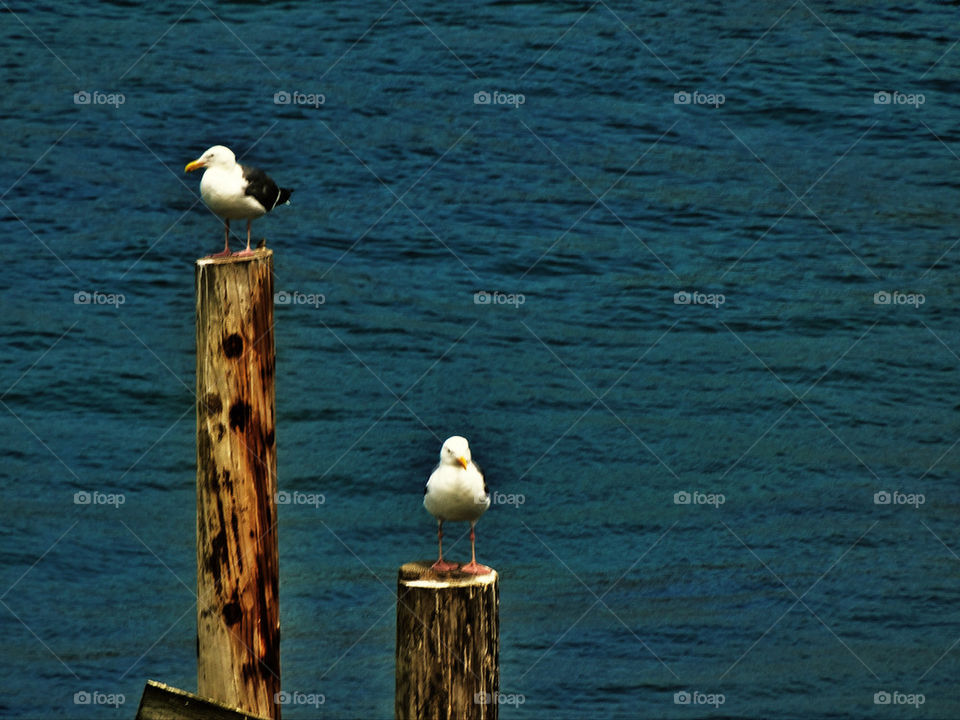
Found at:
<point>235,192</point>
<point>456,491</point>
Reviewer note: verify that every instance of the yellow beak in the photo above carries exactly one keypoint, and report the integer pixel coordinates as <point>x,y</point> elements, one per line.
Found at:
<point>193,165</point>
<point>462,461</point>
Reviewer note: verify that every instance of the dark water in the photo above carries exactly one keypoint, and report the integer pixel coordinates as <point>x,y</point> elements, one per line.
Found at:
<point>596,400</point>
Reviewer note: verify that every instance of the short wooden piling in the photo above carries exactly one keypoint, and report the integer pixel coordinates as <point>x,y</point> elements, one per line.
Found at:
<point>238,617</point>
<point>448,644</point>
<point>163,702</point>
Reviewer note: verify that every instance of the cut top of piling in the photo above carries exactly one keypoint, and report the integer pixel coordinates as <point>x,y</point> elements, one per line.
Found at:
<point>420,574</point>
<point>258,254</point>
<point>164,702</point>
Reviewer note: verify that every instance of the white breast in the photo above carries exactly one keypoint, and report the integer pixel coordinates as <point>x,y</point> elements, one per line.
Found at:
<point>222,191</point>
<point>455,494</point>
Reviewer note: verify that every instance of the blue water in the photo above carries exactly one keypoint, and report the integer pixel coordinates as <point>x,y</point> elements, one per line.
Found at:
<point>598,399</point>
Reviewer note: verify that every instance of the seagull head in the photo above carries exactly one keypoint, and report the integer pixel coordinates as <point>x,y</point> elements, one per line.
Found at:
<point>455,451</point>
<point>217,156</point>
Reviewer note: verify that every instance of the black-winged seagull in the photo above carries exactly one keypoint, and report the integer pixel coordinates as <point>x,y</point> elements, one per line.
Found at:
<point>456,491</point>
<point>235,192</point>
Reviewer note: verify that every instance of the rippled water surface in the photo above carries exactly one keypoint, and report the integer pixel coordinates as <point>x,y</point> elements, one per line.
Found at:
<point>699,315</point>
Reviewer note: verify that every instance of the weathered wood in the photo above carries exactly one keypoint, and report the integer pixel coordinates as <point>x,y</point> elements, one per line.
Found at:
<point>448,644</point>
<point>238,616</point>
<point>163,702</point>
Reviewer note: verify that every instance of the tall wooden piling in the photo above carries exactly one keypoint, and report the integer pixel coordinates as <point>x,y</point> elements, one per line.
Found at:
<point>238,617</point>
<point>448,644</point>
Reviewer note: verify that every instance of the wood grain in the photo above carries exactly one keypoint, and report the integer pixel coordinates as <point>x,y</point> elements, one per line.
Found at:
<point>238,617</point>
<point>448,644</point>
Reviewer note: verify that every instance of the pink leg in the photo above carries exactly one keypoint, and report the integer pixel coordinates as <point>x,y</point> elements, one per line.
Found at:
<point>226,240</point>
<point>248,251</point>
<point>440,565</point>
<point>473,567</point>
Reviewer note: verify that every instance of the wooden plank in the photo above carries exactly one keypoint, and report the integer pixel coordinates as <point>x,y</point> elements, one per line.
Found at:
<point>163,702</point>
<point>238,617</point>
<point>448,644</point>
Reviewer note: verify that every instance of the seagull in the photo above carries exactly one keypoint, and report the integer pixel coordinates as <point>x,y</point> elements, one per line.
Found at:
<point>456,491</point>
<point>235,192</point>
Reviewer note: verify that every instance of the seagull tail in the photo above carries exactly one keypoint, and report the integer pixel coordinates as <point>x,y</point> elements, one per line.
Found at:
<point>284,197</point>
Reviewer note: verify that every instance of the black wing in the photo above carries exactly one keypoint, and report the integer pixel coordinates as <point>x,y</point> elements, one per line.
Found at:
<point>486,490</point>
<point>263,189</point>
